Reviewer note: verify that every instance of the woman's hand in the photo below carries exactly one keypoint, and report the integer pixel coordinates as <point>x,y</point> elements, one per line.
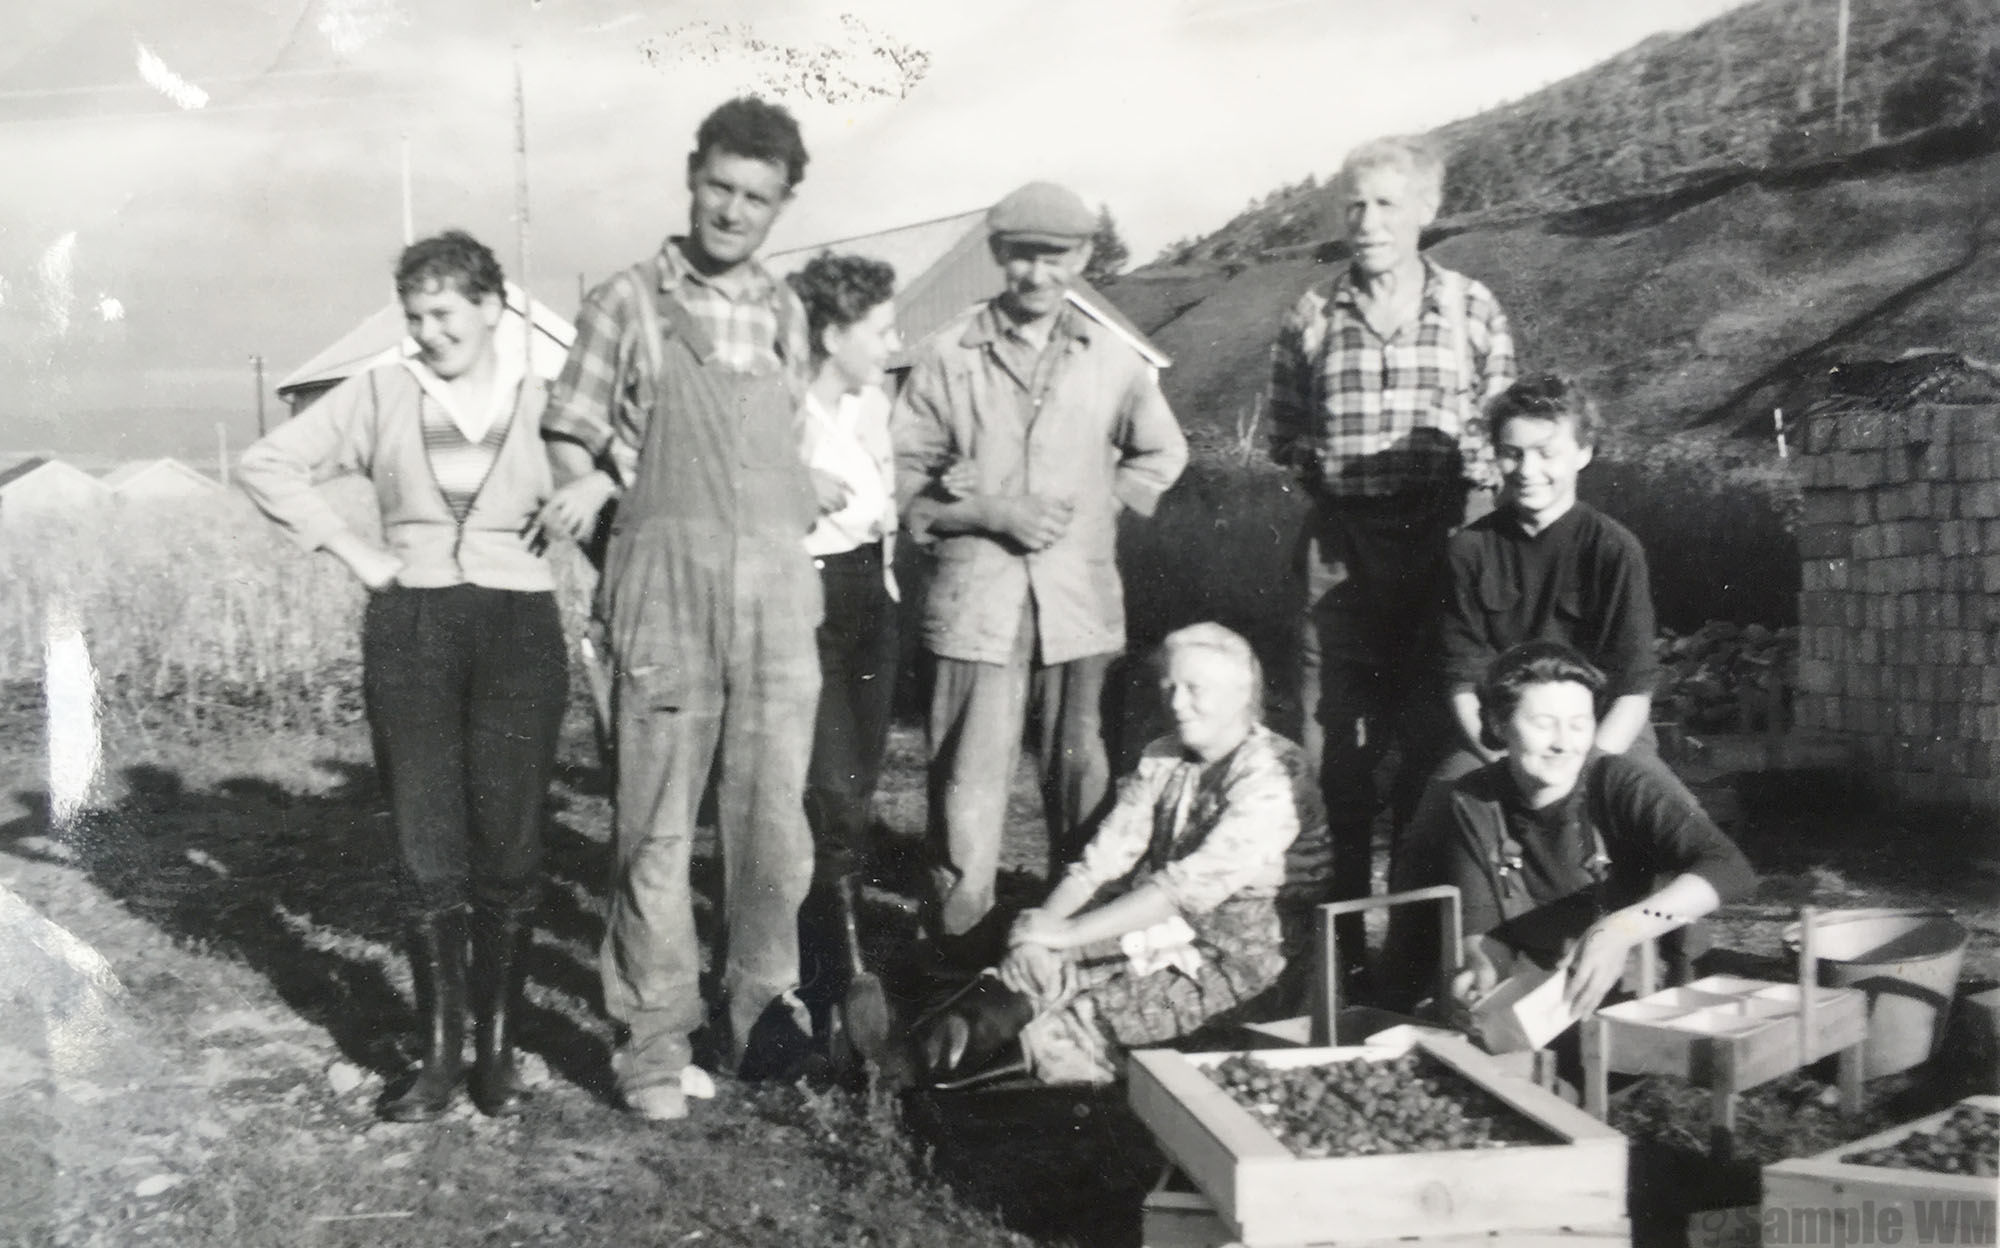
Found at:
<point>1594,965</point>
<point>1038,927</point>
<point>572,511</point>
<point>1036,971</point>
<point>1477,975</point>
<point>829,491</point>
<point>372,566</point>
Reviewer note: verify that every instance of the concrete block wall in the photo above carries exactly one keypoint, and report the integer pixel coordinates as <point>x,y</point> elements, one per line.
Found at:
<point>1899,609</point>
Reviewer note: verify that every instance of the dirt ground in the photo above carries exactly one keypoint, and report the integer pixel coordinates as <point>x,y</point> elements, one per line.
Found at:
<point>240,890</point>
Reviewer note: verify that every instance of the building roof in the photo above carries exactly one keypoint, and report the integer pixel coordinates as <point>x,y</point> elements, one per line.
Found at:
<point>126,475</point>
<point>382,338</point>
<point>944,267</point>
<point>14,472</point>
<point>41,469</point>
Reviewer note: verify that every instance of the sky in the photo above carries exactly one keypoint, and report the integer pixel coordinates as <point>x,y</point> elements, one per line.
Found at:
<point>194,184</point>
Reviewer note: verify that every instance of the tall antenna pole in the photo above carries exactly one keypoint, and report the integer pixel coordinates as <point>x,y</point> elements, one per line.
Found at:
<point>521,213</point>
<point>409,213</point>
<point>1840,72</point>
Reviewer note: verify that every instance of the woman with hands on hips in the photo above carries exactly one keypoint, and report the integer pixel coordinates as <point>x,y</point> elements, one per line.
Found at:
<point>463,656</point>
<point>1182,913</point>
<point>1566,858</point>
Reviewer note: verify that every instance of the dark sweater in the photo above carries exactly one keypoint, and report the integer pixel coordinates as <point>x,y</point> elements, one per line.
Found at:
<point>1582,581</point>
<point>1650,834</point>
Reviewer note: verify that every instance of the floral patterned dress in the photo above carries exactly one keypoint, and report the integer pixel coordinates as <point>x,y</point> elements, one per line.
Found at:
<point>1240,846</point>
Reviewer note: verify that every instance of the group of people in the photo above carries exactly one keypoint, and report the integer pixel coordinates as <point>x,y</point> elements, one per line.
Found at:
<point>722,441</point>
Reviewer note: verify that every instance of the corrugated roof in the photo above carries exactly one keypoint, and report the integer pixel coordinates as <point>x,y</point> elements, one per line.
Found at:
<point>382,338</point>
<point>944,267</point>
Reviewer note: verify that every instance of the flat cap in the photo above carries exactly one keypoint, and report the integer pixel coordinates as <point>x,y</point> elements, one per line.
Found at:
<point>1042,212</point>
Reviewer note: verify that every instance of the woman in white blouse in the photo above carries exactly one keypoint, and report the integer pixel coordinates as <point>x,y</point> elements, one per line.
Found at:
<point>1185,908</point>
<point>851,319</point>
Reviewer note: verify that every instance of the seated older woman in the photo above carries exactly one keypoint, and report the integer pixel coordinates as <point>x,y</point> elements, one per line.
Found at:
<point>1566,858</point>
<point>1183,912</point>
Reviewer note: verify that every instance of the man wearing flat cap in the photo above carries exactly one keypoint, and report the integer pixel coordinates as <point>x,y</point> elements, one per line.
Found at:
<point>1023,430</point>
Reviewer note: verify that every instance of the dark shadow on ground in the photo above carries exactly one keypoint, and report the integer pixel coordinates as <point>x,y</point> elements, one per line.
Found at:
<point>302,889</point>
<point>1056,1164</point>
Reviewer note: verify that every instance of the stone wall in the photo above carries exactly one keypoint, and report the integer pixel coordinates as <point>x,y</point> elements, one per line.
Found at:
<point>1899,610</point>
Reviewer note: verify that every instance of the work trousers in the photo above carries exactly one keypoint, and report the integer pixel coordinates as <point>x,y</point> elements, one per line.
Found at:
<point>977,717</point>
<point>858,645</point>
<point>748,718</point>
<point>1372,573</point>
<point>465,689</point>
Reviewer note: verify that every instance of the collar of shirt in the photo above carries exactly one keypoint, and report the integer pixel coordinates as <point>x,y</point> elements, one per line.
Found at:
<point>1566,518</point>
<point>994,325</point>
<point>746,283</point>
<point>508,373</point>
<point>1346,294</point>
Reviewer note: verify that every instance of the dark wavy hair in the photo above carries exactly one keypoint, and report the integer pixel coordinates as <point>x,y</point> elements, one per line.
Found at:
<point>839,290</point>
<point>452,259</point>
<point>1520,667</point>
<point>748,126</point>
<point>1547,396</point>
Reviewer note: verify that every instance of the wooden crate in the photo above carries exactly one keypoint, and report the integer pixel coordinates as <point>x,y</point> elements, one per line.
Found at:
<point>1725,1029</point>
<point>1175,1215</point>
<point>1268,1195</point>
<point>1728,1035</point>
<point>1823,1187</point>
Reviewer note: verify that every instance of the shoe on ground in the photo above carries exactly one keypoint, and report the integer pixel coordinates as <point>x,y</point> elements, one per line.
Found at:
<point>659,1102</point>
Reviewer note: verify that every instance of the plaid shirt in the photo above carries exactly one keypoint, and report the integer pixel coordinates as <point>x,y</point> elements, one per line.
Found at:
<point>1372,417</point>
<point>755,321</point>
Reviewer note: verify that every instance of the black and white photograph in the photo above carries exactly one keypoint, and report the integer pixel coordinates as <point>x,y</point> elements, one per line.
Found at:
<point>1089,623</point>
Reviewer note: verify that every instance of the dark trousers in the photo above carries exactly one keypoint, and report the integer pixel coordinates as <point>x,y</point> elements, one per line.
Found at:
<point>1372,574</point>
<point>858,650</point>
<point>465,688</point>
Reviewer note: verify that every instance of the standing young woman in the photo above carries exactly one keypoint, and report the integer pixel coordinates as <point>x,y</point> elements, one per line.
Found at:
<point>852,324</point>
<point>463,660</point>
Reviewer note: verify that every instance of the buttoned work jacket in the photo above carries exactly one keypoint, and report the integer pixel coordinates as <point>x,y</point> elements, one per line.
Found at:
<point>1082,420</point>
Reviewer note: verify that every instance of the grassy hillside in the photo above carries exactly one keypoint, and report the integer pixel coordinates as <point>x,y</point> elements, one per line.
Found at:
<point>1692,314</point>
<point>1753,89</point>
<point>1667,318</point>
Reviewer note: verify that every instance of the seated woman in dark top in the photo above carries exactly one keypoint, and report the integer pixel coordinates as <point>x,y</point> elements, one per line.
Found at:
<point>1564,857</point>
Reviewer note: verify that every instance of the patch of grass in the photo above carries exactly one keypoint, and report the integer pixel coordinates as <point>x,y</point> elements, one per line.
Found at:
<point>199,617</point>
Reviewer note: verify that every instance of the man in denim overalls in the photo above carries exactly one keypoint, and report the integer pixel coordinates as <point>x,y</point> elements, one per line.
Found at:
<point>680,395</point>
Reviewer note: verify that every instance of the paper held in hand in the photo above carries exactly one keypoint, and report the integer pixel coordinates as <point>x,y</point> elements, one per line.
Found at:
<point>1526,1011</point>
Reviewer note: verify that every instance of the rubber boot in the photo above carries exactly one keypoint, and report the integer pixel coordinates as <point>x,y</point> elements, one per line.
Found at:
<point>973,1037</point>
<point>500,941</point>
<point>437,965</point>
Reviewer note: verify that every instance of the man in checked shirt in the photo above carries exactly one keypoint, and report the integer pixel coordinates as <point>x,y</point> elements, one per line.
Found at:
<point>1378,379</point>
